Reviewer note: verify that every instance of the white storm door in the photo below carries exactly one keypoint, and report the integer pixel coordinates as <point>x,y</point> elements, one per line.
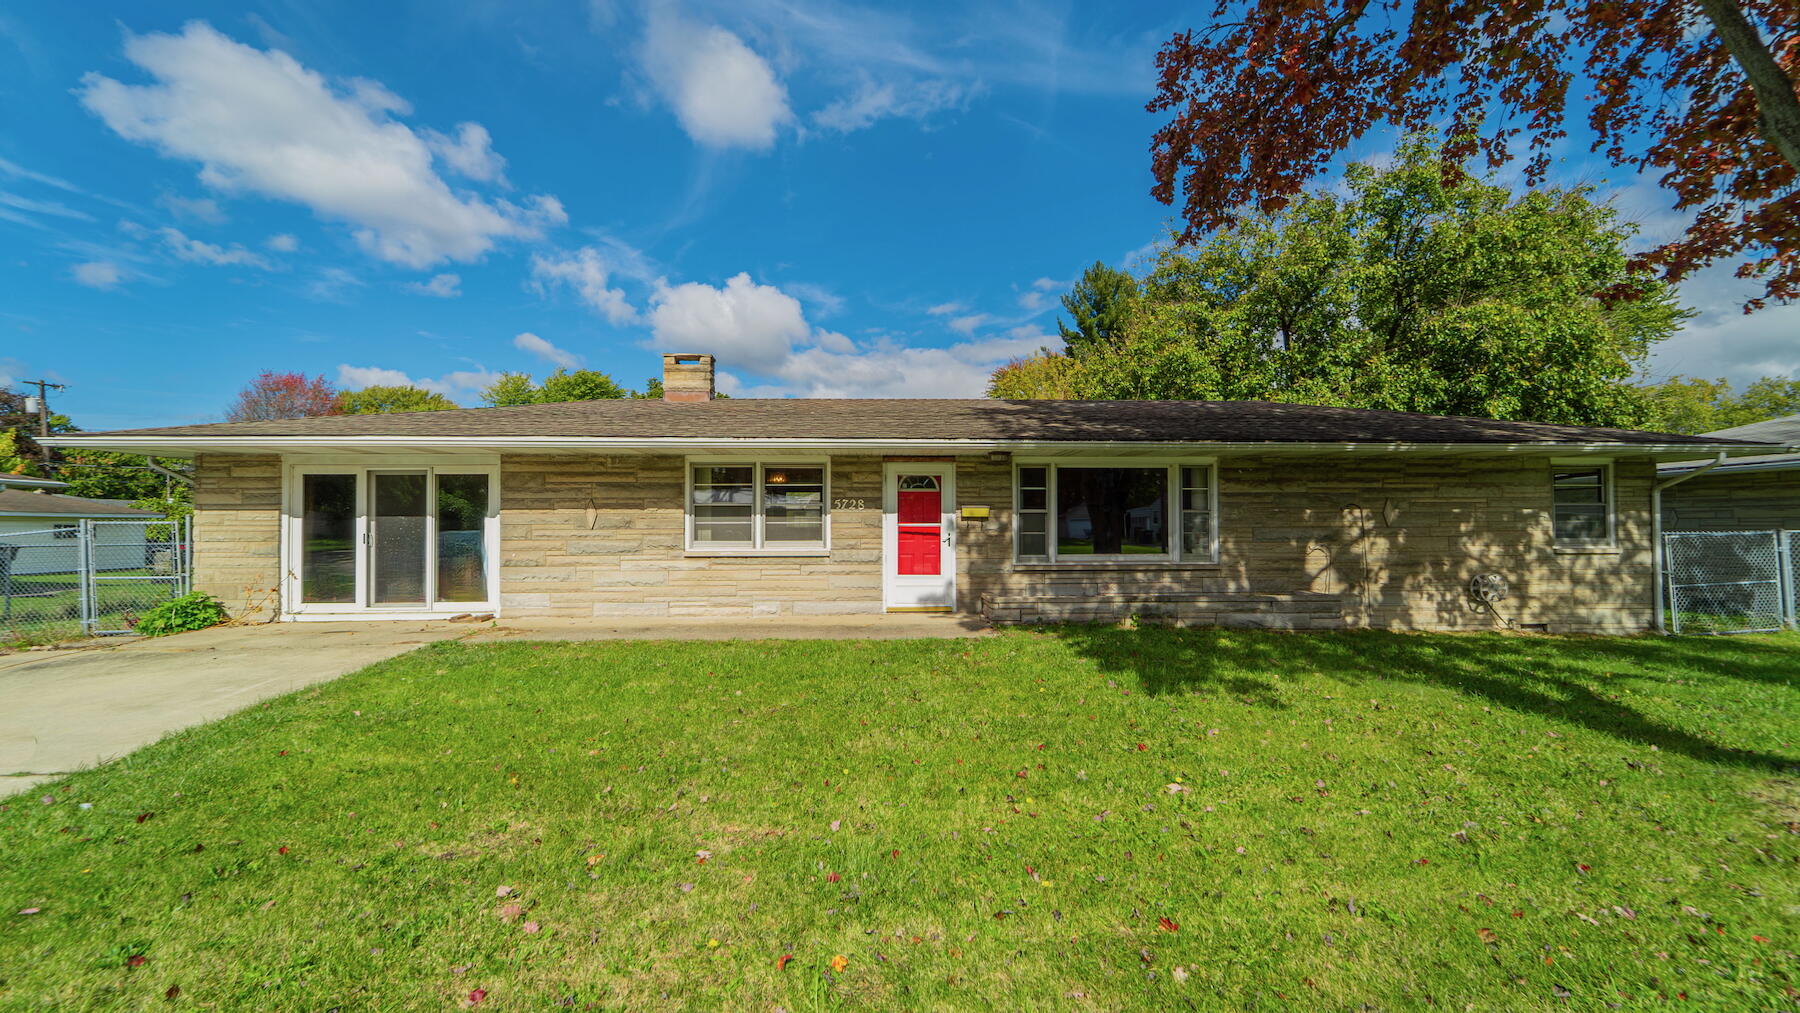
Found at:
<point>918,558</point>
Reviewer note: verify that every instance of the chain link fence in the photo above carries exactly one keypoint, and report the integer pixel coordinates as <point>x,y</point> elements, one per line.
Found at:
<point>1731,581</point>
<point>91,577</point>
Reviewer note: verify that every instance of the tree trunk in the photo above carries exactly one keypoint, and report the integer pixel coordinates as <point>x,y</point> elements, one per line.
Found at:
<point>1775,97</point>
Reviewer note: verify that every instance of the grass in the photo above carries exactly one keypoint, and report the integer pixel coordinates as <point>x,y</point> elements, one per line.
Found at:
<point>1082,819</point>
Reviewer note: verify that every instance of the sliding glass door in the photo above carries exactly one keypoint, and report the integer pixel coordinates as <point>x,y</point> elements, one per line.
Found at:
<point>390,539</point>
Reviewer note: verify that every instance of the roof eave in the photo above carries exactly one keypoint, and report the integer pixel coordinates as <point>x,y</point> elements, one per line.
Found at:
<point>188,446</point>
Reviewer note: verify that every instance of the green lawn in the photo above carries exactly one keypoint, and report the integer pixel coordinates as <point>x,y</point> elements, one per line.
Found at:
<point>1085,819</point>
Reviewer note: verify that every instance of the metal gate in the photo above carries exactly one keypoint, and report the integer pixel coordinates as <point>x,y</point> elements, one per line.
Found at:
<point>89,577</point>
<point>1731,581</point>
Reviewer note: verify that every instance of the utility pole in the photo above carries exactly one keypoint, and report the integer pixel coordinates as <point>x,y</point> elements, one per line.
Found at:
<point>43,414</point>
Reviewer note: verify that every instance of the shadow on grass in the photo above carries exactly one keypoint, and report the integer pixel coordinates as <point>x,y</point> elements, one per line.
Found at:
<point>1554,677</point>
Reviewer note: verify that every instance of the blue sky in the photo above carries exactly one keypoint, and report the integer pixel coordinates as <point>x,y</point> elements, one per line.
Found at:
<point>836,200</point>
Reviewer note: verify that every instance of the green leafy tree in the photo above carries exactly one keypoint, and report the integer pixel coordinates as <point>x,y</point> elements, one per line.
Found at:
<point>1685,404</point>
<point>562,385</point>
<point>579,385</point>
<point>1416,291</point>
<point>1100,303</point>
<point>379,400</point>
<point>510,389</point>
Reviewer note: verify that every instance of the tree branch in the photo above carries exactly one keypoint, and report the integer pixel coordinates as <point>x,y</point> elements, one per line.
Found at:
<point>1775,98</point>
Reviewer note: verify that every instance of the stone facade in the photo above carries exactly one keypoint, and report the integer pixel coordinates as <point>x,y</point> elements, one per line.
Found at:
<point>1396,538</point>
<point>605,536</point>
<point>1749,501</point>
<point>237,531</point>
<point>1349,540</point>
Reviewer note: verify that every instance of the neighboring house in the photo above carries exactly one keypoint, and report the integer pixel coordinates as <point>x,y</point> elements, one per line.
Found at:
<point>1760,493</point>
<point>1228,513</point>
<point>43,526</point>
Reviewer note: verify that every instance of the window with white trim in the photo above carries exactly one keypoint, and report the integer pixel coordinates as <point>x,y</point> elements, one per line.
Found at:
<point>1581,509</point>
<point>740,506</point>
<point>1149,512</point>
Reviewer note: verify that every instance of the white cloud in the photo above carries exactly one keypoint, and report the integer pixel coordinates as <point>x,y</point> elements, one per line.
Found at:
<point>585,271</point>
<point>762,331</point>
<point>333,284</point>
<point>443,286</point>
<point>915,100</point>
<point>42,207</point>
<point>529,342</point>
<point>195,251</point>
<point>259,121</point>
<point>451,385</point>
<point>1725,341</point>
<point>97,274</point>
<point>945,309</point>
<point>470,153</point>
<point>199,209</point>
<point>724,94</point>
<point>754,326</point>
<point>967,324</point>
<point>1042,294</point>
<point>282,242</point>
<point>822,300</point>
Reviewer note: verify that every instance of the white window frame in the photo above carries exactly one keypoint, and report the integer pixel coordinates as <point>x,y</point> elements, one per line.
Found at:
<point>292,523</point>
<point>1609,495</point>
<point>757,546</point>
<point>1171,506</point>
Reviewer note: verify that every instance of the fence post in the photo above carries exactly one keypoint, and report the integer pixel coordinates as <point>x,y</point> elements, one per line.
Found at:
<point>1790,585</point>
<point>84,541</point>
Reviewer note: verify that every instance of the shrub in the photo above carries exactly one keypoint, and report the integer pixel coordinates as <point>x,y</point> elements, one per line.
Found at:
<point>193,611</point>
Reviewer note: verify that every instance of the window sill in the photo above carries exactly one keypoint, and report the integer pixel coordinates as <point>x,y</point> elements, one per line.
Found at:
<point>1117,564</point>
<point>1587,550</point>
<point>755,553</point>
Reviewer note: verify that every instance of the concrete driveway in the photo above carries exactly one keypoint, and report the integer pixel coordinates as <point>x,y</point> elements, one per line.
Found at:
<point>70,709</point>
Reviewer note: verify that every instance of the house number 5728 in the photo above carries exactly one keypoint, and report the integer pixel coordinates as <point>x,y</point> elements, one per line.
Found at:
<point>847,504</point>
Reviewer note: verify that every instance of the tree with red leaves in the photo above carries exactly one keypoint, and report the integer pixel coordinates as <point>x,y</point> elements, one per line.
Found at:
<point>275,395</point>
<point>1701,91</point>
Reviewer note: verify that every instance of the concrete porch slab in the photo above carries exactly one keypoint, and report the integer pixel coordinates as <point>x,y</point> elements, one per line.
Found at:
<point>836,627</point>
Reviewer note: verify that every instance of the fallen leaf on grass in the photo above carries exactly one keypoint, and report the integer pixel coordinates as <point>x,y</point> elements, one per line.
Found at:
<point>510,913</point>
<point>530,927</point>
<point>29,910</point>
<point>476,995</point>
<point>141,817</point>
<point>1167,925</point>
<point>174,990</point>
<point>503,891</point>
<point>136,960</point>
<point>781,962</point>
<point>1487,935</point>
<point>839,962</point>
<point>269,905</point>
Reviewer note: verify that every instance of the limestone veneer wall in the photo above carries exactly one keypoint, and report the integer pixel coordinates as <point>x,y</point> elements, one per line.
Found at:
<point>1396,537</point>
<point>237,531</point>
<point>605,536</point>
<point>1752,501</point>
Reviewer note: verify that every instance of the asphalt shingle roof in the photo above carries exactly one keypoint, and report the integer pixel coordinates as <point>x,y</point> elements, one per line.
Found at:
<point>47,504</point>
<point>980,419</point>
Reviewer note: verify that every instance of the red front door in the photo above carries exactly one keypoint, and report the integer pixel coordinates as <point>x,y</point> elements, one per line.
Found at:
<point>921,525</point>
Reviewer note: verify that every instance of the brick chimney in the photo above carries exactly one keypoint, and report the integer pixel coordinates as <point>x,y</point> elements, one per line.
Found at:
<point>687,376</point>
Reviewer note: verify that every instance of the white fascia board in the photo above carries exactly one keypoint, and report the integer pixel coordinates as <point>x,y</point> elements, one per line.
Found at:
<point>187,446</point>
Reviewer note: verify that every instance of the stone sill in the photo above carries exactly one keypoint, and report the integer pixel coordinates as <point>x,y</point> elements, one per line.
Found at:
<point>1112,564</point>
<point>756,553</point>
